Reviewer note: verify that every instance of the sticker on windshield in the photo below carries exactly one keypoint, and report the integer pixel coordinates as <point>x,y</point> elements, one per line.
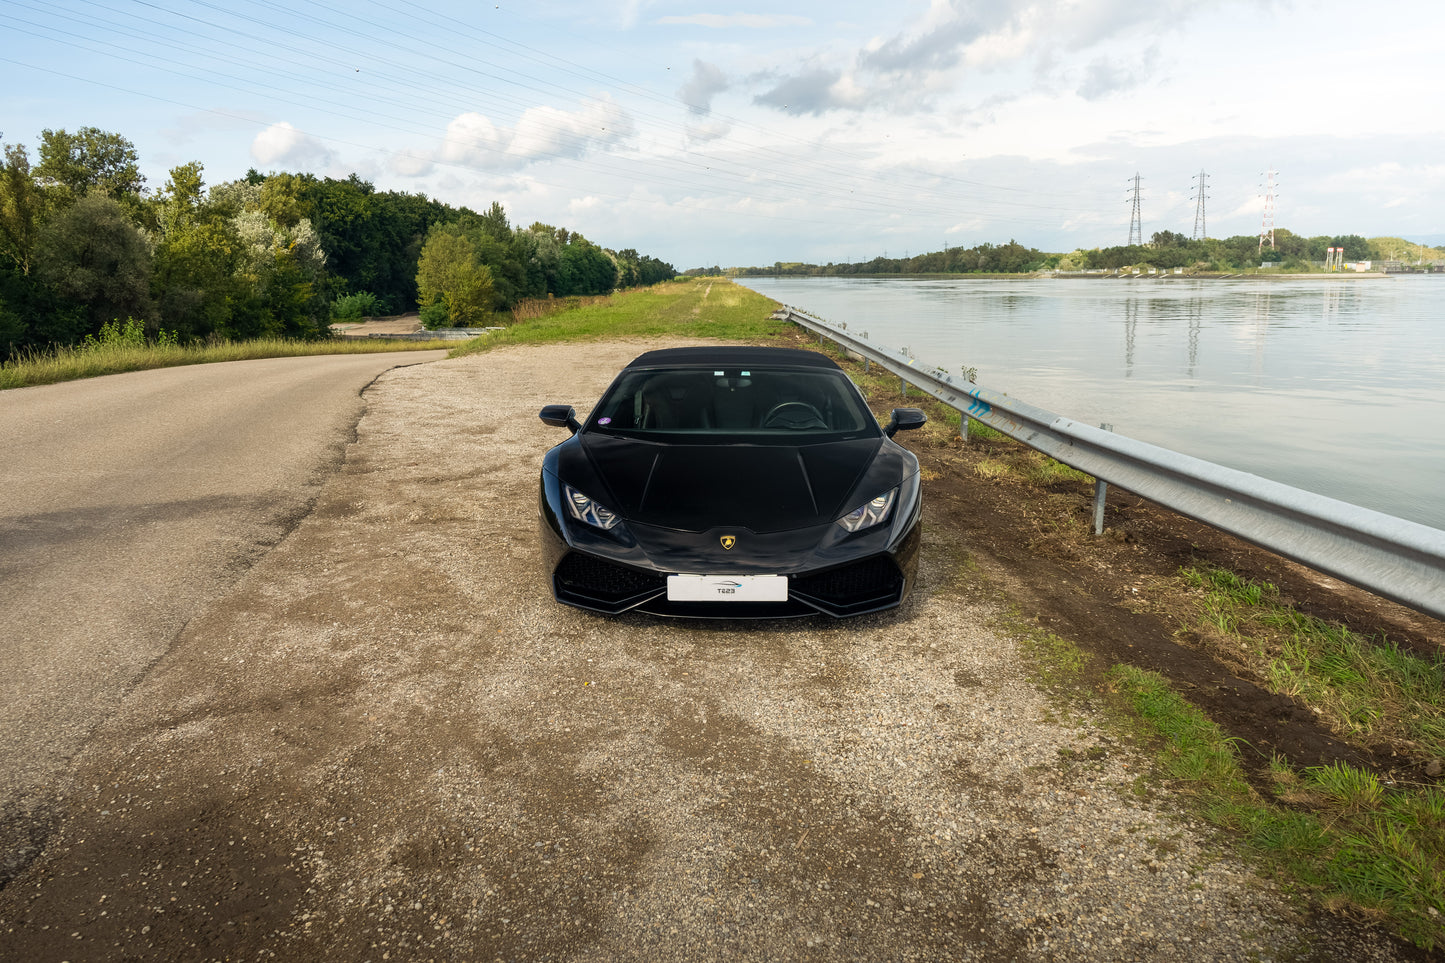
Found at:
<point>604,421</point>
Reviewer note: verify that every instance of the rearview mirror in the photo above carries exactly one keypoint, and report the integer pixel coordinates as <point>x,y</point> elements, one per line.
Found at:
<point>561,416</point>
<point>904,419</point>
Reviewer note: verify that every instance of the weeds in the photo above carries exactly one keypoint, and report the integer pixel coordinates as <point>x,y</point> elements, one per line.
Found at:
<point>122,347</point>
<point>1366,689</point>
<point>530,309</point>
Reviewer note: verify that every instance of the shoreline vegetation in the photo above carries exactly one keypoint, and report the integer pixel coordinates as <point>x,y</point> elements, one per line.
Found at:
<point>1352,840</point>
<point>1166,252</point>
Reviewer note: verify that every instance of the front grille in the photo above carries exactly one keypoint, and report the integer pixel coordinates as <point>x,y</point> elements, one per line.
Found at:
<point>852,586</point>
<point>598,579</point>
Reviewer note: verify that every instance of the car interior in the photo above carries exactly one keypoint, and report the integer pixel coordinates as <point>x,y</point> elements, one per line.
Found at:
<point>733,401</point>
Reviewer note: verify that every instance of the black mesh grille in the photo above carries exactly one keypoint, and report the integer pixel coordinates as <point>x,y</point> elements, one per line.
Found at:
<point>873,578</point>
<point>603,580</point>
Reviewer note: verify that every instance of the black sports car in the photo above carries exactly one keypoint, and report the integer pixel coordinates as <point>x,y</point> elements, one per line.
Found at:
<point>731,482</point>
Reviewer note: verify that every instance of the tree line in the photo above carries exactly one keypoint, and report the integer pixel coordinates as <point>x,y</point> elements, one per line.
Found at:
<point>1010,258</point>
<point>1166,250</point>
<point>84,242</point>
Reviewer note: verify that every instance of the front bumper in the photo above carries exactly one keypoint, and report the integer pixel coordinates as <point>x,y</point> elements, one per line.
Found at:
<point>855,577</point>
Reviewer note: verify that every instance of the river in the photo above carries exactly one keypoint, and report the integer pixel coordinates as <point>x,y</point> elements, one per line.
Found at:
<point>1332,385</point>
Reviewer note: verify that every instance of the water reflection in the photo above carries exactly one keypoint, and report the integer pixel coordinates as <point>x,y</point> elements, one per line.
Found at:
<point>1131,322</point>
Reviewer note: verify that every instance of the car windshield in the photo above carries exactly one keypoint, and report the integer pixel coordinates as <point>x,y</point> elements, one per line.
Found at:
<point>757,404</point>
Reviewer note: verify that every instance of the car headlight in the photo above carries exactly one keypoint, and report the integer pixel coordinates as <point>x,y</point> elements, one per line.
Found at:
<point>872,512</point>
<point>586,510</point>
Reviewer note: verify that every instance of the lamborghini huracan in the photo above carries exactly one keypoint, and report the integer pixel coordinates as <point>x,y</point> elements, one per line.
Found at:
<point>730,482</point>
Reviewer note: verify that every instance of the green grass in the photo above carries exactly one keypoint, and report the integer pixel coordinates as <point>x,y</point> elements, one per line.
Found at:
<point>693,308</point>
<point>103,358</point>
<point>1360,846</point>
<point>1371,850</point>
<point>1367,690</point>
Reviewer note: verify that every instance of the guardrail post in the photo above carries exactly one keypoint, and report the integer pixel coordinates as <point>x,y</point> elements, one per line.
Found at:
<point>962,424</point>
<point>1101,490</point>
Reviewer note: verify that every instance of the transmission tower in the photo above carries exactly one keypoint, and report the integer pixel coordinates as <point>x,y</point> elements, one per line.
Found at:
<point>1266,227</point>
<point>1136,226</point>
<point>1200,229</point>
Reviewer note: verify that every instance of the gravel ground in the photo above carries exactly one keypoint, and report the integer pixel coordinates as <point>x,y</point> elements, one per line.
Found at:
<point>389,743</point>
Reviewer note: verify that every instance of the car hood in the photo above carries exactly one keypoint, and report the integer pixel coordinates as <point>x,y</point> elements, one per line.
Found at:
<point>762,488</point>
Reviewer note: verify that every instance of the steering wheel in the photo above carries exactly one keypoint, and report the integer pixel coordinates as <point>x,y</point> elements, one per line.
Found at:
<point>794,415</point>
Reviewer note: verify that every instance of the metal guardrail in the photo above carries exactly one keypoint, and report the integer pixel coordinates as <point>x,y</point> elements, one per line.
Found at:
<point>1394,558</point>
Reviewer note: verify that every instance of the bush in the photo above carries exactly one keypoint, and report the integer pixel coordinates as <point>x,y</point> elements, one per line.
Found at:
<point>435,315</point>
<point>354,307</point>
<point>116,334</point>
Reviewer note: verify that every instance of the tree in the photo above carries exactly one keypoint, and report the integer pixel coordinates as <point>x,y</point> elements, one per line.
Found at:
<point>194,279</point>
<point>21,207</point>
<point>91,159</point>
<point>494,223</point>
<point>584,269</point>
<point>91,254</point>
<point>449,273</point>
<point>282,269</point>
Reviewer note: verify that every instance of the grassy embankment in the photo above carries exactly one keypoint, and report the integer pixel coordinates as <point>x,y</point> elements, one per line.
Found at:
<point>120,348</point>
<point>702,308</point>
<point>1370,850</point>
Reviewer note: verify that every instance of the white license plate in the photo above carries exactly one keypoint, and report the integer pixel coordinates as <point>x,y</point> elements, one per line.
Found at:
<point>727,588</point>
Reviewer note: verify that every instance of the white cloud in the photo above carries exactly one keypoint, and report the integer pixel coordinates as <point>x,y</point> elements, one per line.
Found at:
<point>707,82</point>
<point>410,163</point>
<point>284,145</point>
<point>541,134</point>
<point>546,132</point>
<point>472,141</point>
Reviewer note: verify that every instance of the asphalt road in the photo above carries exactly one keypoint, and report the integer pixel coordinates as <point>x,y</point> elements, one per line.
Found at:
<point>129,503</point>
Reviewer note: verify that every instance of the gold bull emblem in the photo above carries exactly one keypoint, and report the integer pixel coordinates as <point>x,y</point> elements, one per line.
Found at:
<point>728,541</point>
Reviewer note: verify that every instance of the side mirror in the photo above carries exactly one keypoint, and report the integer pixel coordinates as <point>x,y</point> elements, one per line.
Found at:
<point>561,416</point>
<point>904,419</point>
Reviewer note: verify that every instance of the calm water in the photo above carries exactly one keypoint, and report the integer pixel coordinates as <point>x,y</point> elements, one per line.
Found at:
<point>1334,386</point>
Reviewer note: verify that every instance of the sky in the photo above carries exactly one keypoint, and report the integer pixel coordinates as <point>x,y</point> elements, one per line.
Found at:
<point>748,133</point>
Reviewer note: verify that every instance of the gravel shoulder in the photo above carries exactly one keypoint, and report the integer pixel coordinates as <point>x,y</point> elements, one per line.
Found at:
<point>387,742</point>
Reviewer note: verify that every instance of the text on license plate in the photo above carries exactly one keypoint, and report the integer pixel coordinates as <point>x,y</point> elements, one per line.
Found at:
<point>727,588</point>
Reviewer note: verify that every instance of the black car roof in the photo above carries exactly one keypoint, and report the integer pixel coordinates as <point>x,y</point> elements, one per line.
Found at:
<point>731,356</point>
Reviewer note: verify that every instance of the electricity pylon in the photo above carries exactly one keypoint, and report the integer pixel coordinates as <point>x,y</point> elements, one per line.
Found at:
<point>1266,227</point>
<point>1136,226</point>
<point>1200,228</point>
